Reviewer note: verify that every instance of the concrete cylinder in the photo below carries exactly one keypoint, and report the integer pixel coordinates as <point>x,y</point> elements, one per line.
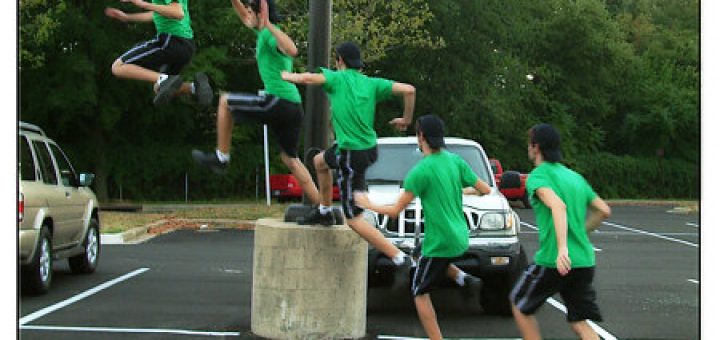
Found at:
<point>309,282</point>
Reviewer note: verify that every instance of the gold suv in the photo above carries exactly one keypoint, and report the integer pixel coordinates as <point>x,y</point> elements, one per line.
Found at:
<point>57,212</point>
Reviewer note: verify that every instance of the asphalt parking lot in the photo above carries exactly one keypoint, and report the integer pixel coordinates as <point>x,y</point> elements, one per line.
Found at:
<point>196,284</point>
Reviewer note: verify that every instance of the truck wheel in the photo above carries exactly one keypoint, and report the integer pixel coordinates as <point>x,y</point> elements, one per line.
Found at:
<point>495,293</point>
<point>37,276</point>
<point>86,262</point>
<point>526,201</point>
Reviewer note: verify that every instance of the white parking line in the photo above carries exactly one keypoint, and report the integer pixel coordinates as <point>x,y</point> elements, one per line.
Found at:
<point>692,224</point>
<point>650,234</point>
<point>47,310</point>
<point>600,331</point>
<point>536,228</point>
<point>128,330</point>
<point>694,281</point>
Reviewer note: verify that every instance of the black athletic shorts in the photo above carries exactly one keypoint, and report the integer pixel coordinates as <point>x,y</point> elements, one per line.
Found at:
<point>538,283</point>
<point>351,166</point>
<point>166,53</point>
<point>429,272</point>
<point>283,117</point>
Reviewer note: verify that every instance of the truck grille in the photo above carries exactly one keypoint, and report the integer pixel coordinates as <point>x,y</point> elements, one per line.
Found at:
<point>407,221</point>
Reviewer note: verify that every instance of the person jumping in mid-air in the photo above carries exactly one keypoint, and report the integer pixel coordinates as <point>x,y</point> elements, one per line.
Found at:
<point>161,59</point>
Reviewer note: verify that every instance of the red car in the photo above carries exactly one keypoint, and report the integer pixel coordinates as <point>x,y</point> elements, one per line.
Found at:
<point>512,186</point>
<point>285,187</point>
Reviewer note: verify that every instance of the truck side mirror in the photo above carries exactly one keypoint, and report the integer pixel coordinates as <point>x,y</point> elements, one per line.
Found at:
<point>86,179</point>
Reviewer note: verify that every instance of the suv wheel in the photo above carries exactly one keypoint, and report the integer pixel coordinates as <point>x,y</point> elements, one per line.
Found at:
<point>37,275</point>
<point>526,201</point>
<point>86,262</point>
<point>495,293</point>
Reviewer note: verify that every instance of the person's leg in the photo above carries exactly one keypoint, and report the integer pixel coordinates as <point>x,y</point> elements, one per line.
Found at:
<point>225,125</point>
<point>469,284</point>
<point>583,330</point>
<point>324,177</point>
<point>301,173</point>
<point>132,71</point>
<point>427,316</point>
<point>527,324</point>
<point>373,236</point>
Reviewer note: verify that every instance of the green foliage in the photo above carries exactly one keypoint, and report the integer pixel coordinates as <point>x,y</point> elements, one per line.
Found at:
<point>619,78</point>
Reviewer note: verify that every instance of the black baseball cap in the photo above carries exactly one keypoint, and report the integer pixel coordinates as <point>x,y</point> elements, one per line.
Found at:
<point>433,128</point>
<point>548,139</point>
<point>350,54</point>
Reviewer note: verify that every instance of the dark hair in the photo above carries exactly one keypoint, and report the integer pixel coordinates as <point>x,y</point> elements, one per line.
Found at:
<point>272,10</point>
<point>433,129</point>
<point>548,139</point>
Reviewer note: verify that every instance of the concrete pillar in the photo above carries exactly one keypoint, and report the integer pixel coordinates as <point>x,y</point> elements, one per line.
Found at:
<point>309,282</point>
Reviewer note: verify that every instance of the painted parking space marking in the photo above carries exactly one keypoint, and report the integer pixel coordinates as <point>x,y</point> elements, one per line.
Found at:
<point>129,330</point>
<point>600,331</point>
<point>692,224</point>
<point>536,228</point>
<point>639,231</point>
<point>47,310</point>
<point>694,281</point>
<point>394,337</point>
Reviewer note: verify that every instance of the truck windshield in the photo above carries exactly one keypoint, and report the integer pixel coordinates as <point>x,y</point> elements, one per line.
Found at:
<point>395,160</point>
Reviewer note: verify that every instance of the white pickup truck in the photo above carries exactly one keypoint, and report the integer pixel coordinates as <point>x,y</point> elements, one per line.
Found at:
<point>495,254</point>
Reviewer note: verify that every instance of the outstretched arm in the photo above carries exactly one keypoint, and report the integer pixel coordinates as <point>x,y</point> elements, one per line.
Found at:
<point>245,16</point>
<point>599,211</point>
<point>362,200</point>
<point>408,93</point>
<point>284,43</point>
<point>173,10</point>
<point>480,188</point>
<point>306,78</point>
<point>125,17</point>
<point>559,216</point>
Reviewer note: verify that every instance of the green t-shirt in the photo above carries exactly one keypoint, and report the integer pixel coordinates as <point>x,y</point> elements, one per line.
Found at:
<point>438,180</point>
<point>353,97</point>
<point>577,194</point>
<point>180,28</point>
<point>271,62</point>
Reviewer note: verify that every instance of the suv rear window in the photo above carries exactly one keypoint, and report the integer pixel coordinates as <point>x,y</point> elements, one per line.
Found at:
<point>27,163</point>
<point>46,164</point>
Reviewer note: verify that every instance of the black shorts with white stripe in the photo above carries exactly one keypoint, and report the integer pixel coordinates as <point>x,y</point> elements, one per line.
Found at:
<point>538,283</point>
<point>429,272</point>
<point>283,117</point>
<point>165,53</point>
<point>351,166</point>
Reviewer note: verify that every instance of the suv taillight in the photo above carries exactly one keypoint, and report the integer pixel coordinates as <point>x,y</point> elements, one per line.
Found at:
<point>21,207</point>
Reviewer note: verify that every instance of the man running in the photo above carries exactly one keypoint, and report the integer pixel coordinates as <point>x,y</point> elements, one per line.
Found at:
<point>161,59</point>
<point>279,106</point>
<point>353,97</point>
<point>565,260</point>
<point>438,180</point>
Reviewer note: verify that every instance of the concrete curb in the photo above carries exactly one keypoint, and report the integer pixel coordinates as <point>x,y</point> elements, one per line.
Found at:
<point>146,232</point>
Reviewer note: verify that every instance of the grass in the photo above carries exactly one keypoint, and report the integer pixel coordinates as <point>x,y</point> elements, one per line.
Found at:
<point>117,222</point>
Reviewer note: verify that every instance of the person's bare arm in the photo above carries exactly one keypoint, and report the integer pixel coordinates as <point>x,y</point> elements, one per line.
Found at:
<point>128,17</point>
<point>245,16</point>
<point>173,10</point>
<point>559,215</point>
<point>284,43</point>
<point>408,93</point>
<point>480,188</point>
<point>362,200</point>
<point>306,78</point>
<point>599,211</point>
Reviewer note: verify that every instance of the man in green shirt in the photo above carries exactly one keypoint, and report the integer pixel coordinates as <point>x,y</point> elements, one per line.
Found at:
<point>565,261</point>
<point>438,180</point>
<point>278,105</point>
<point>160,60</point>
<point>353,97</point>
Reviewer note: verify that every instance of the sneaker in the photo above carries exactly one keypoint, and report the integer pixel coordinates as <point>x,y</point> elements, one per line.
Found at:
<point>166,90</point>
<point>401,279</point>
<point>315,217</point>
<point>203,91</point>
<point>471,286</point>
<point>210,160</point>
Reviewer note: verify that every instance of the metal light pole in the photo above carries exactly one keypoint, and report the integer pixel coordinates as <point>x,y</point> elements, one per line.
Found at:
<point>316,103</point>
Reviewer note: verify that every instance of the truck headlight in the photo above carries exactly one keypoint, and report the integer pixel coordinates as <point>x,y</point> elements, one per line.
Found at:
<point>496,221</point>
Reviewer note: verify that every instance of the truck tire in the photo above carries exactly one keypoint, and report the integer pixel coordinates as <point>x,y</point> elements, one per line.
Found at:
<point>37,275</point>
<point>510,180</point>
<point>526,201</point>
<point>86,262</point>
<point>495,292</point>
